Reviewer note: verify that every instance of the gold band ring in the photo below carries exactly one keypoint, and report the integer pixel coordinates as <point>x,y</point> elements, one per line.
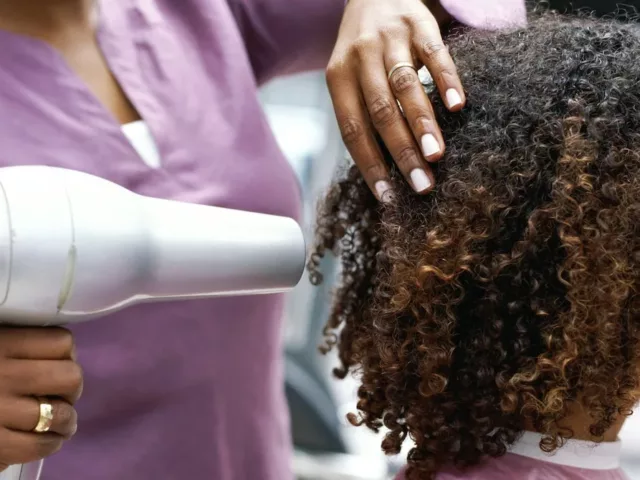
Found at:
<point>46,416</point>
<point>400,65</point>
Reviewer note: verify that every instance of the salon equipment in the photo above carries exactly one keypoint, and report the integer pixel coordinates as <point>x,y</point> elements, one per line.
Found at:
<point>75,247</point>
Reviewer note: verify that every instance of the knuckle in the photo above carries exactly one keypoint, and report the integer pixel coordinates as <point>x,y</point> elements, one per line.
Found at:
<point>334,71</point>
<point>382,111</point>
<point>442,73</point>
<point>364,44</point>
<point>331,74</point>
<point>421,121</point>
<point>74,376</point>
<point>352,131</point>
<point>411,18</point>
<point>403,80</point>
<point>407,157</point>
<point>447,72</point>
<point>431,49</point>
<point>394,30</point>
<point>373,170</point>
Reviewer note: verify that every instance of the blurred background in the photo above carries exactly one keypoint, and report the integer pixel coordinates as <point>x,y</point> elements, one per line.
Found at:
<point>326,447</point>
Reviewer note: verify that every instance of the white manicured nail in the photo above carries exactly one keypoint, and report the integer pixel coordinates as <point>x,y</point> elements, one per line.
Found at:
<point>383,190</point>
<point>420,180</point>
<point>453,98</point>
<point>430,145</point>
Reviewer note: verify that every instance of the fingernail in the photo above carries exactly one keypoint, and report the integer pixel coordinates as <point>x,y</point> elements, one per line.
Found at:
<point>383,190</point>
<point>420,180</point>
<point>453,98</point>
<point>430,145</point>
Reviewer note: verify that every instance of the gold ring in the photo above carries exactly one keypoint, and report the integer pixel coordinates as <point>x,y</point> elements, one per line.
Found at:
<point>46,416</point>
<point>400,65</point>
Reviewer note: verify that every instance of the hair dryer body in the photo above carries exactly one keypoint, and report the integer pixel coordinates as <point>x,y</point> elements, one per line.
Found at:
<point>74,247</point>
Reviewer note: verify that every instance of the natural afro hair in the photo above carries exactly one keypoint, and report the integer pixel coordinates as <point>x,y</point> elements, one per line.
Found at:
<point>509,293</point>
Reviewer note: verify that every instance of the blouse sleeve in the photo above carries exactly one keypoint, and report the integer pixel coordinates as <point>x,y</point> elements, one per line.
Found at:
<point>488,14</point>
<point>289,36</point>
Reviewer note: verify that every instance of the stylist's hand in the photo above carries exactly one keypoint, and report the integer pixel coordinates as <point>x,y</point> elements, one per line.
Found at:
<point>36,364</point>
<point>365,78</point>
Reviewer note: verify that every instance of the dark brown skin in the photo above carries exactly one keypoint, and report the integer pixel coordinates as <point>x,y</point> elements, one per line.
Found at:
<point>36,362</point>
<point>376,35</point>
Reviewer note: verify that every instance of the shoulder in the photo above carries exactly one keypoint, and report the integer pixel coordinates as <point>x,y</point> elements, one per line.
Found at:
<point>197,16</point>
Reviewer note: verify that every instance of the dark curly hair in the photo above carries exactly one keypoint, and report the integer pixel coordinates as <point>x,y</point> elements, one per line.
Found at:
<point>511,292</point>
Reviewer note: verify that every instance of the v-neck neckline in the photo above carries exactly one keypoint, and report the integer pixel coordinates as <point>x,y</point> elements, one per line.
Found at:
<point>121,62</point>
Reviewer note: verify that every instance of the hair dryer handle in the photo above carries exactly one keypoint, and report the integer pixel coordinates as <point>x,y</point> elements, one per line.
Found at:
<point>28,471</point>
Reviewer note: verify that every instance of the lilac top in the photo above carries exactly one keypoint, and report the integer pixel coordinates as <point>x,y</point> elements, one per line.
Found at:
<point>194,389</point>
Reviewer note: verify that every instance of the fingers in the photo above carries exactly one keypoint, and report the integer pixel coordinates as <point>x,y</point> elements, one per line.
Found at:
<point>408,90</point>
<point>36,343</point>
<point>36,362</point>
<point>366,99</point>
<point>356,132</point>
<point>389,122</point>
<point>45,378</point>
<point>23,447</point>
<point>22,414</point>
<point>432,52</point>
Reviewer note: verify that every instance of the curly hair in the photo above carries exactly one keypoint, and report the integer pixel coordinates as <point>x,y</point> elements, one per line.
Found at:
<point>510,293</point>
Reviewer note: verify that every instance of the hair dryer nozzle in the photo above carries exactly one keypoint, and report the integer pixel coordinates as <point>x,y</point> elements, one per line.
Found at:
<point>197,250</point>
<point>74,246</point>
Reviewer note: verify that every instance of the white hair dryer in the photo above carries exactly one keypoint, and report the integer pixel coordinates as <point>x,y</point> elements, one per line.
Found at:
<point>74,247</point>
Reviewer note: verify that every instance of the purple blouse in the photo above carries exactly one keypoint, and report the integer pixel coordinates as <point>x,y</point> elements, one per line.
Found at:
<point>519,467</point>
<point>189,390</point>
